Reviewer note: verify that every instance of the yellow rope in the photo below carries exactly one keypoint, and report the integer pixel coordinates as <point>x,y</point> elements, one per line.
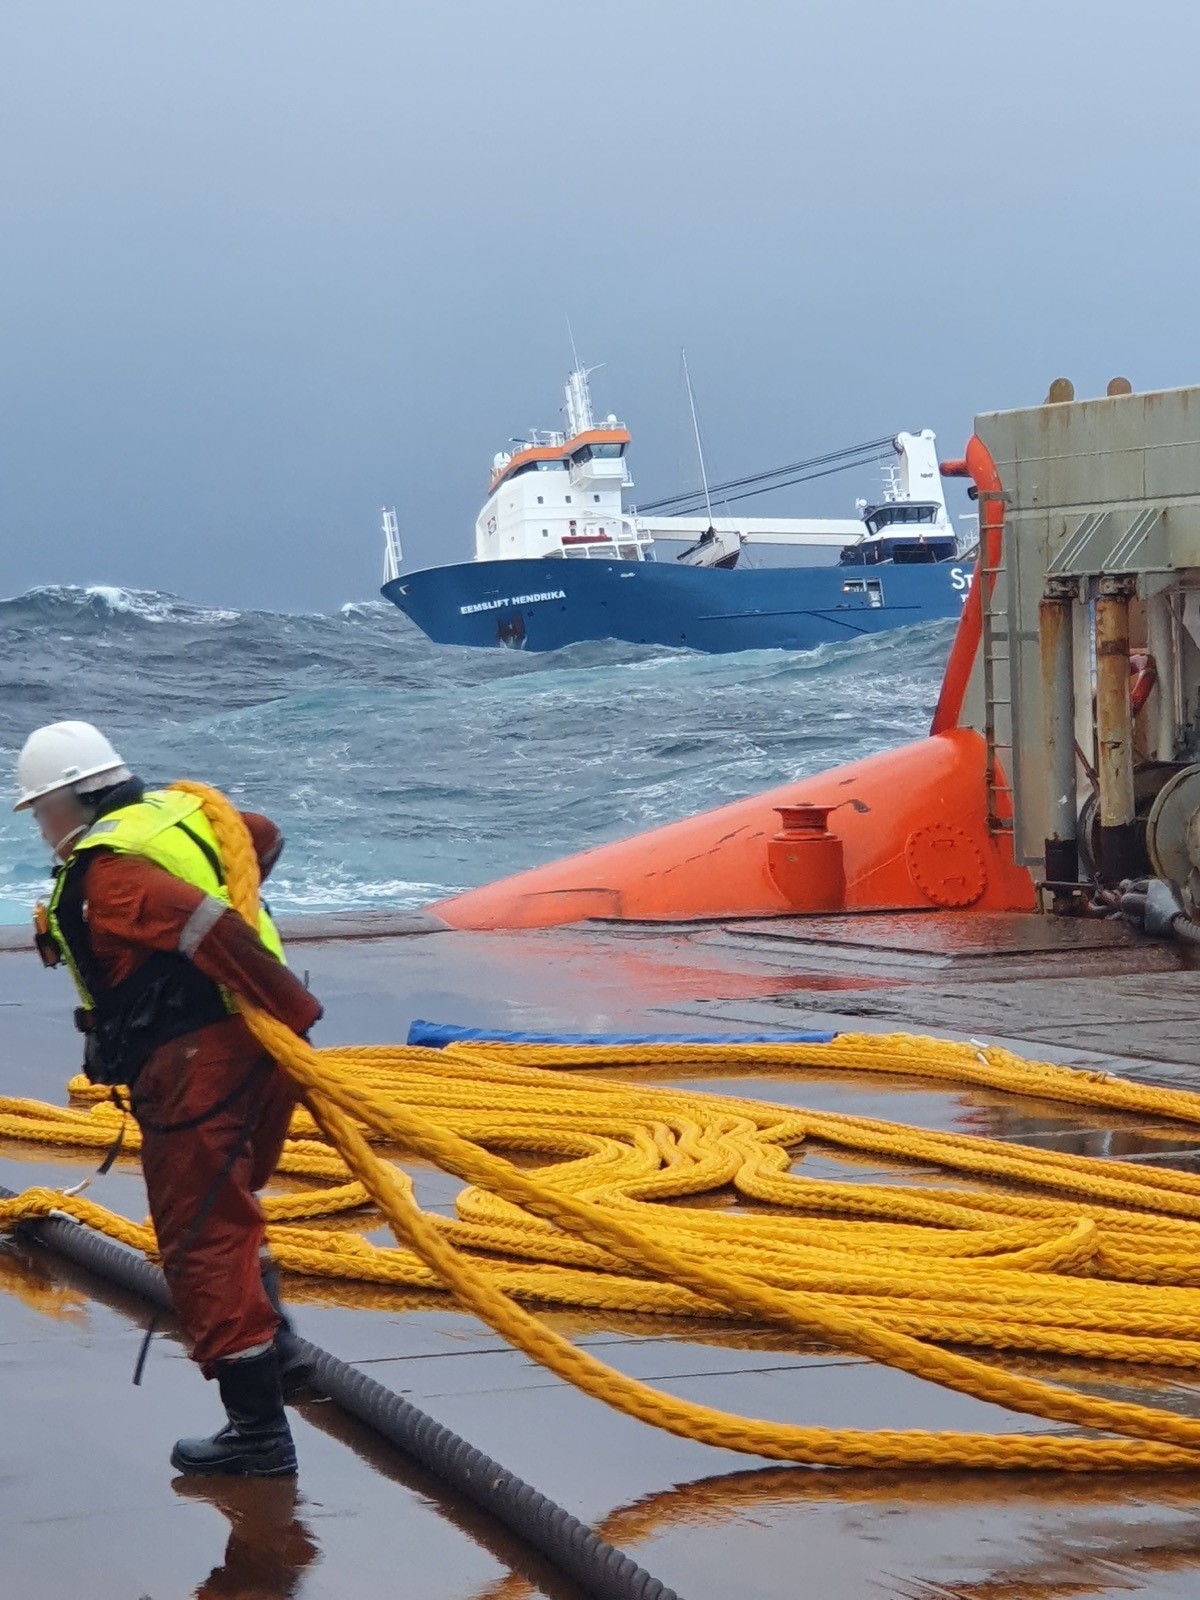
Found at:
<point>1040,1252</point>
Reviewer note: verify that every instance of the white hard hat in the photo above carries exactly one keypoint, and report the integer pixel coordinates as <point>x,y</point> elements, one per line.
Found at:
<point>64,755</point>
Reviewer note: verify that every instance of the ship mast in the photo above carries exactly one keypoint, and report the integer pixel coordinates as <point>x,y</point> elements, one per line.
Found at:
<point>393,555</point>
<point>687,378</point>
<point>580,416</point>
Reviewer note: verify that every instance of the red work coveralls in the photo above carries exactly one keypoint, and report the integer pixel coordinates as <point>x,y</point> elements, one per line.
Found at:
<point>203,1094</point>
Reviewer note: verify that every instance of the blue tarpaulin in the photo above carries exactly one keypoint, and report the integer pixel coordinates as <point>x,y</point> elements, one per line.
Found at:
<point>437,1035</point>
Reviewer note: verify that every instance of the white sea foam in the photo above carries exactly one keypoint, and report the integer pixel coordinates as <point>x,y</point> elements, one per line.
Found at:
<point>148,605</point>
<point>340,892</point>
<point>365,610</point>
<point>152,606</point>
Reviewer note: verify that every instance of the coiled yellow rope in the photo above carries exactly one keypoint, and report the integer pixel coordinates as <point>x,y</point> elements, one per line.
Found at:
<point>1049,1253</point>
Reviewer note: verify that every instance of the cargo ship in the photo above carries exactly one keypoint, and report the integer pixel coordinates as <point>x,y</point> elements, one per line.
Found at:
<point>560,558</point>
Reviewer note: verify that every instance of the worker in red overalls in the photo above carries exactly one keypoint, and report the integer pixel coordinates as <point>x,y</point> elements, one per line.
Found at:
<point>140,915</point>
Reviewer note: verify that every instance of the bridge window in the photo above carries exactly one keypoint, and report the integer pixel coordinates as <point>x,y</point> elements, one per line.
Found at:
<point>598,452</point>
<point>880,517</point>
<point>533,466</point>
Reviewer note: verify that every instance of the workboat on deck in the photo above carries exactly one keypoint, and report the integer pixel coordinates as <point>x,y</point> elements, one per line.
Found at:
<point>559,558</point>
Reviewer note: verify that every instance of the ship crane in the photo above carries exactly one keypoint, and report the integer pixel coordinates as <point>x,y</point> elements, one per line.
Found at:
<point>858,455</point>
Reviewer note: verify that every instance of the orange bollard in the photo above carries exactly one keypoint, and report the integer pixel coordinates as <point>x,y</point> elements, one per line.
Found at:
<point>806,860</point>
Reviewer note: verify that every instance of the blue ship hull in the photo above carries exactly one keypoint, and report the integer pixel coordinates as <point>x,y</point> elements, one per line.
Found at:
<point>544,605</point>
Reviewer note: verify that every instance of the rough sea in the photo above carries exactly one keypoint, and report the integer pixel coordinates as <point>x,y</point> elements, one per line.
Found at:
<point>400,770</point>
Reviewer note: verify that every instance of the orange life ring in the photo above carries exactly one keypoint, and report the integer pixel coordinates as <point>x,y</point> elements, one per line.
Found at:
<point>1143,675</point>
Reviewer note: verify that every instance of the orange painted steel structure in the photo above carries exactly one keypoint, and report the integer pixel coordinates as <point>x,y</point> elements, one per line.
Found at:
<point>906,830</point>
<point>980,467</point>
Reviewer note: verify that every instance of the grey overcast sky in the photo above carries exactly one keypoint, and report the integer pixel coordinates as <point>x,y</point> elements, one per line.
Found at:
<point>268,264</point>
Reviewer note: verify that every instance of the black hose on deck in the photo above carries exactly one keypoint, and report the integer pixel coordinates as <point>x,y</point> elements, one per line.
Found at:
<point>598,1568</point>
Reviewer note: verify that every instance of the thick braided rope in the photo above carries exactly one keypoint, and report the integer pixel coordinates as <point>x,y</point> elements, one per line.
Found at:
<point>1080,1260</point>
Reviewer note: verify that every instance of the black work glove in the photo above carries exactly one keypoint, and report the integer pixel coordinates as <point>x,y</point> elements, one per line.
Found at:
<point>93,1065</point>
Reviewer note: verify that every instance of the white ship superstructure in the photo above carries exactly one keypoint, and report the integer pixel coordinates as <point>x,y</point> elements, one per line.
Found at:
<point>561,496</point>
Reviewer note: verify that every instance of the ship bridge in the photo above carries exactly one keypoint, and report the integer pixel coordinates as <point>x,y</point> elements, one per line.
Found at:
<point>560,494</point>
<point>591,453</point>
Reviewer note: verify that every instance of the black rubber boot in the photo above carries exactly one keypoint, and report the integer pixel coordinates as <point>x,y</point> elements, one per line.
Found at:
<point>295,1374</point>
<point>256,1442</point>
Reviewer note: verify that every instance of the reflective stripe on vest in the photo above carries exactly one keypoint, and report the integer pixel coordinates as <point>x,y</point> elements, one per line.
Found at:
<point>170,829</point>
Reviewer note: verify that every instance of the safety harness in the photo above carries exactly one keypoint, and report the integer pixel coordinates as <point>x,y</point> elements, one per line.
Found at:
<point>167,995</point>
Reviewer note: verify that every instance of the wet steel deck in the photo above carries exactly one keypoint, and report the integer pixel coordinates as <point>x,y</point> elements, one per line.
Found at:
<point>87,1501</point>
